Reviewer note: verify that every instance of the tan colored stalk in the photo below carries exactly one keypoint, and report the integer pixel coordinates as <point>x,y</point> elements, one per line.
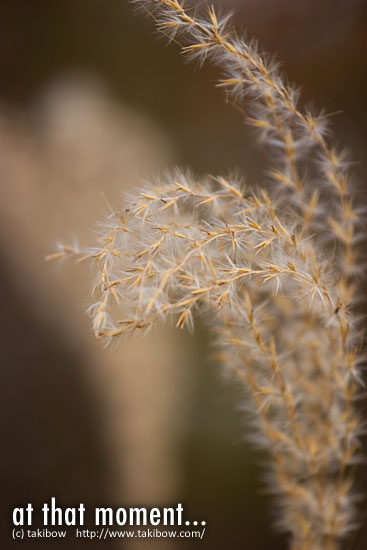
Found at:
<point>279,298</point>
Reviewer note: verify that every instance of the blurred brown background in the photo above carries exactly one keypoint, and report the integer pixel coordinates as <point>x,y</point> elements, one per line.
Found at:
<point>91,102</point>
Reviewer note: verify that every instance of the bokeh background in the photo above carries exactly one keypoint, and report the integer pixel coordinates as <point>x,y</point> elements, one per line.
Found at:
<point>91,102</point>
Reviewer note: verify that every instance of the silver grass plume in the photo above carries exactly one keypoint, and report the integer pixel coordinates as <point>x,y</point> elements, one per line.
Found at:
<point>276,272</point>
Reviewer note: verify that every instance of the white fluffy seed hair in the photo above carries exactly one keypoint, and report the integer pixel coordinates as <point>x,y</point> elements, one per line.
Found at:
<point>277,271</point>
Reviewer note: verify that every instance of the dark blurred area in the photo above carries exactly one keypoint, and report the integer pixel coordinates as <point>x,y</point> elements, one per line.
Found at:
<point>56,422</point>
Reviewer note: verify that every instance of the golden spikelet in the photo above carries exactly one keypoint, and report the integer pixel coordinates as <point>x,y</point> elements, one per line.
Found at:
<point>276,272</point>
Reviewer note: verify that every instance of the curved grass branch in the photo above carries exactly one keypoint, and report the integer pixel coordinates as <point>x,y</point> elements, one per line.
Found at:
<point>280,300</point>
